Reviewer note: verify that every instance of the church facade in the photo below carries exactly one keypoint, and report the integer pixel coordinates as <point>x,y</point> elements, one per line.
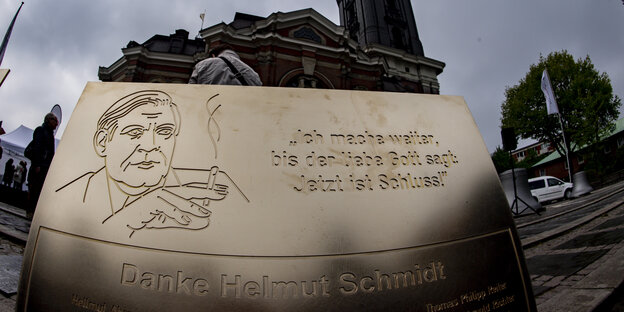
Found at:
<point>375,48</point>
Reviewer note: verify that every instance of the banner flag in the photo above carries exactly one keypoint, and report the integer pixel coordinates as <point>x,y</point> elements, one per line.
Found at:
<point>5,42</point>
<point>551,103</point>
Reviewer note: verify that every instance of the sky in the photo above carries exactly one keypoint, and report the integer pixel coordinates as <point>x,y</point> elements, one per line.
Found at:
<point>57,46</point>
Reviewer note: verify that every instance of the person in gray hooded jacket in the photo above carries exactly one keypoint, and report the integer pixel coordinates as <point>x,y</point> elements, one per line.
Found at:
<point>224,67</point>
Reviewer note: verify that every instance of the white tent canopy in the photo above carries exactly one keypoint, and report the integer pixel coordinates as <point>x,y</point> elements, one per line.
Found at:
<point>18,139</point>
<point>13,145</point>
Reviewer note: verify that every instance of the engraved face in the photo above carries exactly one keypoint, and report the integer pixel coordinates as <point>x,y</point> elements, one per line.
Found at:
<point>138,153</point>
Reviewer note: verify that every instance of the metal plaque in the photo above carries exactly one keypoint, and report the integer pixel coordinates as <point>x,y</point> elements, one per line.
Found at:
<point>165,197</point>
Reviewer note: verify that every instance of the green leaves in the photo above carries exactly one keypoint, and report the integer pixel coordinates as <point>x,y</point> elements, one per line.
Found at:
<point>584,96</point>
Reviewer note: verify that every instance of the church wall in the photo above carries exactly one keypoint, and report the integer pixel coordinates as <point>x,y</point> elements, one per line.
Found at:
<point>292,50</point>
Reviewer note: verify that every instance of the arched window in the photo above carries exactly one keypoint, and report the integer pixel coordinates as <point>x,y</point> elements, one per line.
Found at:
<point>305,81</point>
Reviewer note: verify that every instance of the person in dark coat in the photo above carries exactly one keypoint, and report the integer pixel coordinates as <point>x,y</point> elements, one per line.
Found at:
<point>9,170</point>
<point>42,154</point>
<point>1,133</point>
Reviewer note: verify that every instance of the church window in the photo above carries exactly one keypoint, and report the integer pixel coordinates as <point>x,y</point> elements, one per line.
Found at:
<point>305,81</point>
<point>352,20</point>
<point>392,5</point>
<point>393,11</point>
<point>309,34</point>
<point>397,38</point>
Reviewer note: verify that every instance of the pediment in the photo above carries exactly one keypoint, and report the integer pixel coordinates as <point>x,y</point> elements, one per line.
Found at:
<point>306,24</point>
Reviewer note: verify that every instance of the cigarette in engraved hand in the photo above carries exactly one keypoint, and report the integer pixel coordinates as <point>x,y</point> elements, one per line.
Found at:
<point>212,177</point>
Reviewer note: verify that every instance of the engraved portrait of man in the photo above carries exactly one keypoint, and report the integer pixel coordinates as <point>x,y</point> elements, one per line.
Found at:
<point>136,138</point>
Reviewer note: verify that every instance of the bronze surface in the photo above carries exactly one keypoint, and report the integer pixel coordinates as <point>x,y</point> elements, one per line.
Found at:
<point>189,197</point>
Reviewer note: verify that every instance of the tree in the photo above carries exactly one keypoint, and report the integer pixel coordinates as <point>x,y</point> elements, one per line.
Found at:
<point>502,162</point>
<point>585,98</point>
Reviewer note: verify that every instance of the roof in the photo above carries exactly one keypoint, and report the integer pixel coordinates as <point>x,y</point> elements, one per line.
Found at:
<point>552,156</point>
<point>177,43</point>
<point>243,20</point>
<point>526,147</point>
<point>619,127</point>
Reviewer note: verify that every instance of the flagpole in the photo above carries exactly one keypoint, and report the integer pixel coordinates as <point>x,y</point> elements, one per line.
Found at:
<point>552,108</point>
<point>566,148</point>
<point>5,41</point>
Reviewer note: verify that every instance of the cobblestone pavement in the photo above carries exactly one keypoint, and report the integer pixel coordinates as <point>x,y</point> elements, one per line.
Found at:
<point>580,268</point>
<point>14,229</point>
<point>584,265</point>
<point>10,265</point>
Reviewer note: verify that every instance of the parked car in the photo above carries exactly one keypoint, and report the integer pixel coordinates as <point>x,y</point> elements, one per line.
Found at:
<point>549,188</point>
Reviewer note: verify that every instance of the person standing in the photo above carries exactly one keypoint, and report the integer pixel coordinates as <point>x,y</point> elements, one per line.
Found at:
<point>20,174</point>
<point>224,67</point>
<point>9,169</point>
<point>1,133</point>
<point>42,154</point>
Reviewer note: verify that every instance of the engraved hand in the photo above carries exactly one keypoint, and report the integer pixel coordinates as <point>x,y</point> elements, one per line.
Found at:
<point>199,191</point>
<point>171,218</point>
<point>174,212</point>
<point>181,207</point>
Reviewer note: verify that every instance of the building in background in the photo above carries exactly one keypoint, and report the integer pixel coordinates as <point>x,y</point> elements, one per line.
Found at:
<point>540,148</point>
<point>168,59</point>
<point>610,151</point>
<point>377,47</point>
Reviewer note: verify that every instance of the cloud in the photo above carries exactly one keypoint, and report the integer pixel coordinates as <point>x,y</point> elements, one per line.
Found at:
<point>512,36</point>
<point>57,46</point>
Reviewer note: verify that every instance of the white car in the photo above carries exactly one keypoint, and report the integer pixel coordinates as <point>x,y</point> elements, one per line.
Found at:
<point>549,188</point>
